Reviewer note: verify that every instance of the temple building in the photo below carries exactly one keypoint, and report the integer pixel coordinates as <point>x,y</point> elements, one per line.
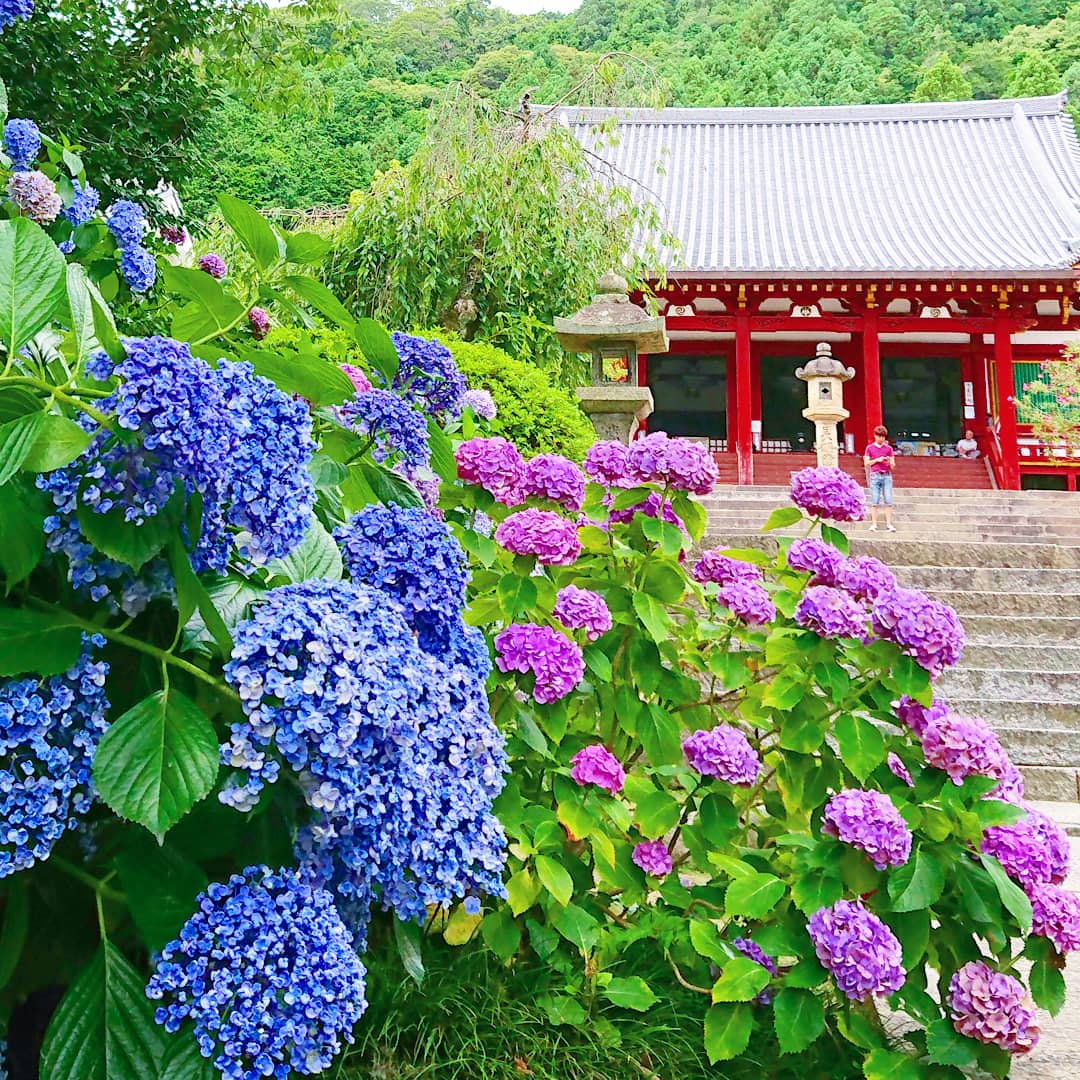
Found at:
<point>936,247</point>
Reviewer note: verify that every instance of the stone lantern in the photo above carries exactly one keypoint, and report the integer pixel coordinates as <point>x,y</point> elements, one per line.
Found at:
<point>613,331</point>
<point>825,377</point>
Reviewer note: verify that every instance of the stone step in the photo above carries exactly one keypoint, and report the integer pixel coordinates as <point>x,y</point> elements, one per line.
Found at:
<point>1029,630</point>
<point>1055,783</point>
<point>1018,687</point>
<point>1004,581</point>
<point>1043,658</point>
<point>1033,746</point>
<point>1004,715</point>
<point>978,602</point>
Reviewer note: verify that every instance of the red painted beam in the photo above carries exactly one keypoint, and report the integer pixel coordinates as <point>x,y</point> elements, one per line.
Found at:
<point>849,324</point>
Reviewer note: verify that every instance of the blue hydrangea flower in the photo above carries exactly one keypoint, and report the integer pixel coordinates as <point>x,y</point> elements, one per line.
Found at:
<point>66,247</point>
<point>49,730</point>
<point>127,223</point>
<point>398,432</point>
<point>22,139</point>
<point>413,557</point>
<point>225,433</point>
<point>83,206</point>
<point>267,971</point>
<point>138,268</point>
<point>428,376</point>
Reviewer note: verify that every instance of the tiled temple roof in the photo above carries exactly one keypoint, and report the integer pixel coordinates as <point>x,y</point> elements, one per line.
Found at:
<point>967,187</point>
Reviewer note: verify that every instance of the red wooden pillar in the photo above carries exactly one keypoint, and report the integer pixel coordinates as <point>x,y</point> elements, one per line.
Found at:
<point>871,367</point>
<point>1006,391</point>
<point>744,398</point>
<point>855,394</point>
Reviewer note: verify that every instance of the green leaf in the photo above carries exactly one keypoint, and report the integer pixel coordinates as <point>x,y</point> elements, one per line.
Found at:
<point>782,517</point>
<point>659,733</point>
<point>657,814</point>
<point>918,883</point>
<point>1047,986</point>
<point>753,896</point>
<point>17,438</point>
<point>653,615</point>
<point>252,230</point>
<point>500,933</point>
<point>596,660</point>
<point>197,323</point>
<point>103,1029</point>
<point>104,323</point>
<point>126,541</point>
<point>946,1046</point>
<point>160,885</point>
<point>517,594</point>
<point>321,299</point>
<point>670,537</point>
<point>183,1061</point>
<point>191,596</point>
<point>42,642</point>
<point>911,678</point>
<point>81,310</point>
<point>577,926</point>
<point>799,1019</point>
<point>311,377</point>
<point>862,746</point>
<point>17,401</point>
<point>192,284</point>
<point>316,557</point>
<point>831,535</point>
<point>717,816</point>
<point>326,472</point>
<point>816,889</point>
<point>887,1065</point>
<point>13,932</point>
<point>706,940</point>
<point>232,598</point>
<point>785,691</point>
<point>387,486</point>
<point>59,442</point>
<point>33,281</point>
<point>663,580</point>
<point>742,979</point>
<point>407,939</point>
<point>157,761</point>
<point>305,247</point>
<point>691,513</point>
<point>630,992</point>
<point>555,878</point>
<point>562,1009</point>
<point>378,348</point>
<point>22,537</point>
<point>1012,896</point>
<point>727,1031</point>
<point>442,453</point>
<point>522,891</point>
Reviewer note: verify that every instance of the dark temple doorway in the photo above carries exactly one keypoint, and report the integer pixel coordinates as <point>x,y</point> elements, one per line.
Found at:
<point>922,398</point>
<point>783,398</point>
<point>689,395</point>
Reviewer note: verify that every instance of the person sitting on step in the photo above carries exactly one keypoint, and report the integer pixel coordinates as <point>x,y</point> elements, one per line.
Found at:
<point>880,461</point>
<point>967,447</point>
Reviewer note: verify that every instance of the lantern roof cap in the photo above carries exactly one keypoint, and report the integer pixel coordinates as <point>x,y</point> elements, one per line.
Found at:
<point>824,365</point>
<point>610,318</point>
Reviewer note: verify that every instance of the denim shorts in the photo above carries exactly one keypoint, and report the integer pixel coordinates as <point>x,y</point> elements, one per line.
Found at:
<point>881,489</point>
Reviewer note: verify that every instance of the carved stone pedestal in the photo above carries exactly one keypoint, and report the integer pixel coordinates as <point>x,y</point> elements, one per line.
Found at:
<point>615,409</point>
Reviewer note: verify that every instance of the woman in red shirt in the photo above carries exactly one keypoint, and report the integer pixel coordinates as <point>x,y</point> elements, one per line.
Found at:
<point>880,460</point>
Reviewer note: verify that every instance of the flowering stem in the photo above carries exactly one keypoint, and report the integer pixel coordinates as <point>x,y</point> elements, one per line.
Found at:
<point>91,882</point>
<point>223,331</point>
<point>62,395</point>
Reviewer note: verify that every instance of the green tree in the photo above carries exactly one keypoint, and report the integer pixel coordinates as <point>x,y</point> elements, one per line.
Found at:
<point>942,81</point>
<point>1033,76</point>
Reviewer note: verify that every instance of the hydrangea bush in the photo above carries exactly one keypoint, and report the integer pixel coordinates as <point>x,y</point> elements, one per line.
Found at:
<point>736,763</point>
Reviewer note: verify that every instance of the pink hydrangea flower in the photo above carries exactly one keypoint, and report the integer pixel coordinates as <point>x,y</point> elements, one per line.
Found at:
<point>860,952</point>
<point>493,464</point>
<point>1055,914</point>
<point>361,383</point>
<point>582,609</point>
<point>992,1007</point>
<point>676,463</point>
<point>963,746</point>
<point>595,764</point>
<point>724,753</point>
<point>653,857</point>
<point>553,477</point>
<point>553,658</point>
<point>607,463</point>
<point>828,493</point>
<point>867,820</point>
<point>899,769</point>
<point>548,536</point>
<point>723,569</point>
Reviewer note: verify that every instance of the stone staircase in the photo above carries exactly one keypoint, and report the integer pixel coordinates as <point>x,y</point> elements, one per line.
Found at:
<point>1009,562</point>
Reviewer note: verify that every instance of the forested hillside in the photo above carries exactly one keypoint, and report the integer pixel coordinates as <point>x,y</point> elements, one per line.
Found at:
<point>376,66</point>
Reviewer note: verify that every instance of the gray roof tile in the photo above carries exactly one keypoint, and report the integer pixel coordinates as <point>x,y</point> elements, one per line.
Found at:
<point>978,187</point>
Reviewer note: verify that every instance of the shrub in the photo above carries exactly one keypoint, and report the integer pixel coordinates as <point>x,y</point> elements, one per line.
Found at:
<point>536,415</point>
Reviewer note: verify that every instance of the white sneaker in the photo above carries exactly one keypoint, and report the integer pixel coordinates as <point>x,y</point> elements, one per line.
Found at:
<point>873,528</point>
<point>891,527</point>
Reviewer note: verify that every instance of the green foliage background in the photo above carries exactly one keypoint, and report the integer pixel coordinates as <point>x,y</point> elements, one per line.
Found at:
<point>372,70</point>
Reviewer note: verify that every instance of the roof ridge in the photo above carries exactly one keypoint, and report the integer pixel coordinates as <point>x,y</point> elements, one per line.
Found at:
<point>1047,105</point>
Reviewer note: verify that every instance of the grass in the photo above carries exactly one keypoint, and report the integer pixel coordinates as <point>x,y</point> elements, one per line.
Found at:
<point>474,1019</point>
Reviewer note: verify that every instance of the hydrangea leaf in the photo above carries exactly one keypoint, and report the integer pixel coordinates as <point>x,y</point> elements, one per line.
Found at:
<point>37,641</point>
<point>316,557</point>
<point>562,1009</point>
<point>522,890</point>
<point>102,1028</point>
<point>1047,986</point>
<point>946,1046</point>
<point>657,814</point>
<point>653,615</point>
<point>305,374</point>
<point>157,761</point>
<point>126,541</point>
<point>862,746</point>
<point>442,453</point>
<point>782,517</point>
<point>799,1019</point>
<point>1012,896</point>
<point>816,889</point>
<point>197,323</point>
<point>888,1065</point>
<point>321,299</point>
<point>59,442</point>
<point>659,733</point>
<point>706,940</point>
<point>305,247</point>
<point>518,594</point>
<point>630,992</point>
<point>918,883</point>
<point>377,347</point>
<point>183,1061</point>
<point>727,1031</point>
<point>501,934</point>
<point>22,539</point>
<point>832,535</point>
<point>17,438</point>
<point>13,932</point>
<point>577,926</point>
<point>191,596</point>
<point>33,281</point>
<point>555,878</point>
<point>407,940</point>
<point>252,230</point>
<point>753,896</point>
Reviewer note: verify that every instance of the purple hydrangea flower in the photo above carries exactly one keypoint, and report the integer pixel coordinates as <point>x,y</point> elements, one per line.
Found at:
<point>926,630</point>
<point>1011,788</point>
<point>553,658</point>
<point>608,463</point>
<point>1033,850</point>
<point>552,539</point>
<point>49,730</point>
<point>10,10</point>
<point>174,234</point>
<point>654,505</point>
<point>963,746</point>
<point>582,609</point>
<point>756,953</point>
<point>867,820</point>
<point>555,478</point>
<point>400,433</point>
<point>358,377</point>
<point>899,769</point>
<point>676,463</point>
<point>138,268</point>
<point>865,577</point>
<point>427,375</point>
<point>66,247</point>
<point>212,264</point>
<point>595,764</point>
<point>724,570</point>
<point>267,971</point>
<point>860,952</point>
<point>22,139</point>
<point>493,464</point>
<point>35,195</point>
<point>992,1007</point>
<point>1055,914</point>
<point>723,753</point>
<point>816,557</point>
<point>653,857</point>
<point>482,403</point>
<point>826,492</point>
<point>831,613</point>
<point>748,601</point>
<point>916,716</point>
<point>127,222</point>
<point>83,206</point>
<point>259,321</point>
